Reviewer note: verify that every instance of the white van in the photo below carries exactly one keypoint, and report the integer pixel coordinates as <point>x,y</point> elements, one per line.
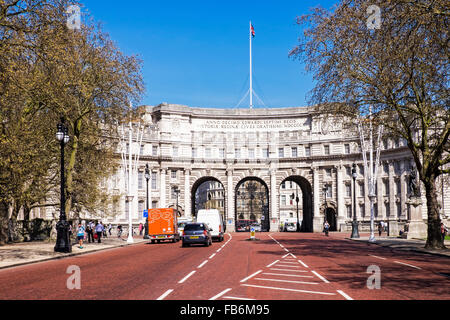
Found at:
<point>213,219</point>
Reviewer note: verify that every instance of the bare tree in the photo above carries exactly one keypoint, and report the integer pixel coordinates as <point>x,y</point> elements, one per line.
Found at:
<point>391,56</point>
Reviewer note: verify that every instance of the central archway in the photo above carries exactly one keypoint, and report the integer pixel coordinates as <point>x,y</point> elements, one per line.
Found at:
<point>252,204</point>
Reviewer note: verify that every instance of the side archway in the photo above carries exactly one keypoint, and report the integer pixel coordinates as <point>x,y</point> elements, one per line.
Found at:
<point>208,193</point>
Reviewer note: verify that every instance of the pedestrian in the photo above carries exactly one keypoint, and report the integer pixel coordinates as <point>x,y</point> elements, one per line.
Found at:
<point>80,235</point>
<point>326,227</point>
<point>90,231</point>
<point>444,231</point>
<point>119,231</point>
<point>380,228</point>
<point>109,229</point>
<point>99,230</point>
<point>140,229</point>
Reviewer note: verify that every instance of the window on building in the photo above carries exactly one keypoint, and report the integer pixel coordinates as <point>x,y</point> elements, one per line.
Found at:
<point>346,148</point>
<point>326,149</point>
<point>173,174</point>
<point>361,190</point>
<point>386,168</point>
<point>348,190</point>
<point>194,152</point>
<point>398,187</point>
<point>141,207</point>
<point>140,179</point>
<point>141,150</point>
<point>386,187</point>
<point>361,169</point>
<point>283,200</point>
<point>283,185</point>
<point>127,209</point>
<point>153,180</point>
<point>399,209</point>
<point>208,153</point>
<point>154,204</point>
<point>266,153</point>
<point>175,152</point>
<point>362,211</point>
<point>328,172</point>
<point>387,209</point>
<point>329,191</point>
<point>251,153</point>
<point>349,211</point>
<point>173,194</point>
<point>348,171</point>
<point>307,151</point>
<point>237,153</point>
<point>294,152</point>
<point>155,151</point>
<point>281,152</point>
<point>222,153</point>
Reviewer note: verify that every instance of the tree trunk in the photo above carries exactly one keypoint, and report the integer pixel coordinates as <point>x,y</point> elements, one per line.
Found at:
<point>434,238</point>
<point>3,222</point>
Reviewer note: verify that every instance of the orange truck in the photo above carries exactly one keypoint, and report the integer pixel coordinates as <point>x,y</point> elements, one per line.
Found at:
<point>163,225</point>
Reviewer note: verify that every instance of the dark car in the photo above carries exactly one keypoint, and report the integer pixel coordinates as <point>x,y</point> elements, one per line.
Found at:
<point>195,233</point>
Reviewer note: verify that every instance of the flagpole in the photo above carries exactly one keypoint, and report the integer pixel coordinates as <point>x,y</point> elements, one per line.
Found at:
<point>251,73</point>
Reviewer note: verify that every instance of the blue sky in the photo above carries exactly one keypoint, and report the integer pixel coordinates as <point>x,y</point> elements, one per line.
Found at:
<point>196,53</point>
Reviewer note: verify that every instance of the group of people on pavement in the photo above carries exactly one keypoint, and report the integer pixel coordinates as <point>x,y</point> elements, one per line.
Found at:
<point>91,231</point>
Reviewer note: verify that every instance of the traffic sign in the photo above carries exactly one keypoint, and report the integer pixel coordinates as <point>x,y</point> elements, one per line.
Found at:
<point>145,213</point>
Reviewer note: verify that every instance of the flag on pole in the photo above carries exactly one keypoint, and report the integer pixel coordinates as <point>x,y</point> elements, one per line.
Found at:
<point>252,30</point>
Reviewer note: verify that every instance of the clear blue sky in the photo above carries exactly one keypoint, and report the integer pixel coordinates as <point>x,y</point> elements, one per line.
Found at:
<point>196,52</point>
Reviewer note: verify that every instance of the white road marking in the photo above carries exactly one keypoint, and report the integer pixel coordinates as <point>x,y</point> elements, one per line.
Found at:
<point>251,276</point>
<point>286,250</point>
<point>212,256</point>
<point>288,270</point>
<point>286,289</point>
<point>220,294</point>
<point>304,264</point>
<point>289,281</point>
<point>409,265</point>
<point>287,266</point>
<point>291,262</point>
<point>187,277</point>
<point>320,277</point>
<point>165,294</point>
<point>202,264</point>
<point>377,257</point>
<point>236,298</point>
<point>286,275</point>
<point>268,266</point>
<point>346,296</point>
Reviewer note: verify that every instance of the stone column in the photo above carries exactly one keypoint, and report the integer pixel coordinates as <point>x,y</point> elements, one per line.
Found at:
<point>162,187</point>
<point>392,187</point>
<point>340,197</point>
<point>187,193</point>
<point>317,215</point>
<point>229,216</point>
<point>274,214</point>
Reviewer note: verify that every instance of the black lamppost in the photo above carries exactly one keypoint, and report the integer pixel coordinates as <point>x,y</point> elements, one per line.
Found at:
<point>63,243</point>
<point>325,190</point>
<point>355,233</point>
<point>147,177</point>
<point>177,192</point>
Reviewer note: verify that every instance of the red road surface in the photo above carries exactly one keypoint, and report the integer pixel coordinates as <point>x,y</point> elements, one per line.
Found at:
<point>278,266</point>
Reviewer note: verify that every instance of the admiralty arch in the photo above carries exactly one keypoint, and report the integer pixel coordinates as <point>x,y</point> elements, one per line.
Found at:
<point>267,165</point>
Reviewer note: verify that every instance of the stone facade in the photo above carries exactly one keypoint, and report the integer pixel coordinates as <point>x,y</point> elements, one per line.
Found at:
<point>186,146</point>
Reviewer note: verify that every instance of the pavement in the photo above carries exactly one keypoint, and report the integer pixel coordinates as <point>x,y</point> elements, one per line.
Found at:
<point>17,254</point>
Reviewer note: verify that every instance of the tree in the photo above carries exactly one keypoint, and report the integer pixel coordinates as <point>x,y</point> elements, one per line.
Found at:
<point>392,57</point>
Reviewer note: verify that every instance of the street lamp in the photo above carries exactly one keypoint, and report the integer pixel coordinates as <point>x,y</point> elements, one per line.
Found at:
<point>355,233</point>
<point>177,192</point>
<point>147,177</point>
<point>63,243</point>
<point>297,200</point>
<point>325,189</point>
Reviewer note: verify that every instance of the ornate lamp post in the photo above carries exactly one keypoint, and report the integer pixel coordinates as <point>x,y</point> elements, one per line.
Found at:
<point>147,178</point>
<point>325,190</point>
<point>355,233</point>
<point>177,192</point>
<point>295,195</point>
<point>63,243</point>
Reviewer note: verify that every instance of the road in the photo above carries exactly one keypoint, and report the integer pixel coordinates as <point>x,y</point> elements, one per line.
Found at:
<point>277,266</point>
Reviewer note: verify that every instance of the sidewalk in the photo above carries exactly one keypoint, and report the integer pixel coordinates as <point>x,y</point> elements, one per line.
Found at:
<point>17,254</point>
<point>414,245</point>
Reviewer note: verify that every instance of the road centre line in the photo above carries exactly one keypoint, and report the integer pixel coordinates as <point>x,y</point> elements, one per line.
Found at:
<point>165,294</point>
<point>251,276</point>
<point>187,277</point>
<point>202,264</point>
<point>377,257</point>
<point>212,256</point>
<point>287,289</point>
<point>286,275</point>
<point>285,249</point>
<point>320,277</point>
<point>289,281</point>
<point>220,294</point>
<point>288,270</point>
<point>269,265</point>
<point>409,265</point>
<point>346,296</point>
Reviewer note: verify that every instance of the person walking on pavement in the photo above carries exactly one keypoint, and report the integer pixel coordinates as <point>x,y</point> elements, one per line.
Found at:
<point>380,228</point>
<point>80,235</point>
<point>109,229</point>
<point>326,227</point>
<point>119,231</point>
<point>140,229</point>
<point>99,230</point>
<point>90,231</point>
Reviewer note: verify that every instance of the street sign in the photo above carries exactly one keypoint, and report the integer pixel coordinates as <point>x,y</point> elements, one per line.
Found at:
<point>252,233</point>
<point>145,213</point>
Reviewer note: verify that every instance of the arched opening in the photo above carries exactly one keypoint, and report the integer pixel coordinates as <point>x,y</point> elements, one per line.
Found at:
<point>296,204</point>
<point>208,193</point>
<point>330,216</point>
<point>252,204</point>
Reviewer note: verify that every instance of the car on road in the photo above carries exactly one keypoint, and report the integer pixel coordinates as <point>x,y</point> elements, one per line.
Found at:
<point>196,233</point>
<point>291,227</point>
